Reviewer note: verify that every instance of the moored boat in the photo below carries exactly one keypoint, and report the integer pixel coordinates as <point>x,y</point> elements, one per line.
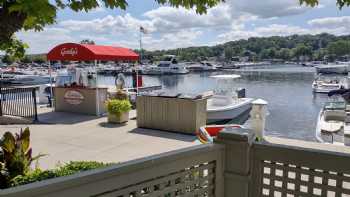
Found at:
<point>169,66</point>
<point>17,78</point>
<point>227,105</point>
<point>333,68</point>
<point>222,109</point>
<point>332,122</point>
<point>325,84</point>
<point>202,67</point>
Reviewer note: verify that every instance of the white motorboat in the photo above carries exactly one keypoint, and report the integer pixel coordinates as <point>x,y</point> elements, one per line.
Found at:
<point>343,68</point>
<point>169,66</point>
<point>332,122</point>
<point>224,106</point>
<point>323,85</point>
<point>225,109</point>
<point>320,87</point>
<point>202,67</point>
<point>109,69</point>
<point>22,78</point>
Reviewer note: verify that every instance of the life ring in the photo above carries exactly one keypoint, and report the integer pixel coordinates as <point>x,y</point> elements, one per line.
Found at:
<point>206,134</point>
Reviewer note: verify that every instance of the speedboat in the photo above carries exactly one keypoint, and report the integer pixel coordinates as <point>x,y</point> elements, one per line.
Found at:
<point>326,86</point>
<point>332,122</point>
<point>22,78</point>
<point>169,66</point>
<point>341,68</point>
<point>226,105</point>
<point>223,109</point>
<point>202,67</point>
<point>230,65</point>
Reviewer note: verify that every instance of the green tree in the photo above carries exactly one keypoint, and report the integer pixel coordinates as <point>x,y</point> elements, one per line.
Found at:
<point>284,54</point>
<point>269,53</point>
<point>7,59</point>
<point>302,50</point>
<point>320,54</point>
<point>228,53</point>
<point>26,59</point>
<point>339,48</point>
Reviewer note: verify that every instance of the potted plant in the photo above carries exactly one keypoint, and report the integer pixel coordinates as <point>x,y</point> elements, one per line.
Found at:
<point>118,110</point>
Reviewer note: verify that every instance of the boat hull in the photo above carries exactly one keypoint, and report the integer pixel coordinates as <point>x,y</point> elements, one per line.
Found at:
<point>325,88</point>
<point>335,137</point>
<point>339,69</point>
<point>231,113</point>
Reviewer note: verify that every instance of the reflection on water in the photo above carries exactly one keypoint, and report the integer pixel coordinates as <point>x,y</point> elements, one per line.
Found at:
<point>293,108</point>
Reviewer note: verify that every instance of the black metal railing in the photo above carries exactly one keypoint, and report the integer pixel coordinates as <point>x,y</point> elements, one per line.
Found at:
<point>19,102</point>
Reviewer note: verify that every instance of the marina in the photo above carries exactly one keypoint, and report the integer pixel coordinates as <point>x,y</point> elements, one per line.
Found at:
<point>290,81</point>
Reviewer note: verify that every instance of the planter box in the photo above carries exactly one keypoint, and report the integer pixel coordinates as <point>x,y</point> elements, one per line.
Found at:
<point>124,117</point>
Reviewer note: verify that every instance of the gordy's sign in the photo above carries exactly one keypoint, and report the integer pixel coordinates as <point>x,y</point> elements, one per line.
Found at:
<point>69,51</point>
<point>73,97</point>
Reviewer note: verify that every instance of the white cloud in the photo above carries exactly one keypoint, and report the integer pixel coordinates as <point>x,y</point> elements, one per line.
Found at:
<point>331,25</point>
<point>41,42</point>
<point>105,25</point>
<point>165,19</point>
<point>331,22</point>
<point>160,20</point>
<point>178,39</point>
<point>268,8</point>
<point>240,32</point>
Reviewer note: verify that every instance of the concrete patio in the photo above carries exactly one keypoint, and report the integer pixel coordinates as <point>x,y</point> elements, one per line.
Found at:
<point>68,137</point>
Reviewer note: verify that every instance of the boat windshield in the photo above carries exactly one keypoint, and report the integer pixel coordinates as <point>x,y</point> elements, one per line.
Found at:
<point>224,85</point>
<point>334,105</point>
<point>163,65</point>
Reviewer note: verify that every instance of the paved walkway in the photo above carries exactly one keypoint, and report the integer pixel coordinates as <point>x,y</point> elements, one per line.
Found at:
<point>66,137</point>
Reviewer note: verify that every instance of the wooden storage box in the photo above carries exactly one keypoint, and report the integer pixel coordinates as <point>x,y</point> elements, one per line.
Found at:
<point>89,101</point>
<point>171,114</point>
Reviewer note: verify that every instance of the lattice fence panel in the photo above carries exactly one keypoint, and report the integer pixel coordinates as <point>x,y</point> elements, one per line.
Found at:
<point>197,181</point>
<point>288,180</point>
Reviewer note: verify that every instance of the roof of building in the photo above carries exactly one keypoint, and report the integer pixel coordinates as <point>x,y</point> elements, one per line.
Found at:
<point>89,52</point>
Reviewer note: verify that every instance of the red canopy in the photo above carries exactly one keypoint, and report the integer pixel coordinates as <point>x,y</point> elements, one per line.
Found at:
<point>87,52</point>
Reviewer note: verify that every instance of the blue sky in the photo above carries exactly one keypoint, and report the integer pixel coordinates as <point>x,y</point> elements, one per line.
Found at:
<point>177,27</point>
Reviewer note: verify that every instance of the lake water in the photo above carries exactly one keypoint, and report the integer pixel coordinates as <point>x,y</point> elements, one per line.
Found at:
<point>293,108</point>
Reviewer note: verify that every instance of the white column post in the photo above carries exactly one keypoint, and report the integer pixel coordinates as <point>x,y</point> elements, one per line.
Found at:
<point>97,92</point>
<point>258,117</point>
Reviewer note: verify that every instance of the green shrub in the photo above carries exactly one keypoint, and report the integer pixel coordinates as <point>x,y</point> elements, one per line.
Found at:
<point>117,107</point>
<point>65,170</point>
<point>15,156</point>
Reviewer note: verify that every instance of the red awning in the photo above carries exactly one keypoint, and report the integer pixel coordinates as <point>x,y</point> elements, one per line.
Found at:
<point>86,52</point>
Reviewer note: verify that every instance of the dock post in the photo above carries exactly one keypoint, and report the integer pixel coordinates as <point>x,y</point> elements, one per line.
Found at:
<point>35,105</point>
<point>258,117</point>
<point>1,99</point>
